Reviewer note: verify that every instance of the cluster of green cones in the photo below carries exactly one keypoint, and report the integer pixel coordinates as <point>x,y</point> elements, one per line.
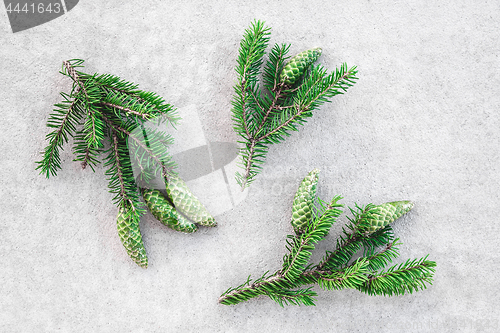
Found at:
<point>179,210</point>
<point>376,218</point>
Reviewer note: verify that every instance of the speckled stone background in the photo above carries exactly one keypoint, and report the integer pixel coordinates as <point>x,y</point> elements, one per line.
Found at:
<point>422,123</point>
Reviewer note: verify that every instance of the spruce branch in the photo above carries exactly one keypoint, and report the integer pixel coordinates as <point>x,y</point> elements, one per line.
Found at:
<point>105,106</point>
<point>291,92</point>
<point>338,270</point>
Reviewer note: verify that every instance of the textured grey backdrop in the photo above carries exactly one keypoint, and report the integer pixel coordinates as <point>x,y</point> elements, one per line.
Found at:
<point>422,124</point>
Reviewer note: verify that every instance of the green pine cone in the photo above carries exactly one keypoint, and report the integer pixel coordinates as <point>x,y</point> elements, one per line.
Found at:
<point>382,215</point>
<point>165,213</point>
<point>130,235</point>
<point>303,202</point>
<point>187,203</point>
<point>298,65</point>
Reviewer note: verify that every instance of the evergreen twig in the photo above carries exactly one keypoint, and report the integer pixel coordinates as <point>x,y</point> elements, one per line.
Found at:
<point>338,270</point>
<point>267,116</point>
<point>101,106</point>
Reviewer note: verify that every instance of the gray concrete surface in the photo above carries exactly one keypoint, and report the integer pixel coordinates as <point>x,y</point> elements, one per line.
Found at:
<point>422,124</point>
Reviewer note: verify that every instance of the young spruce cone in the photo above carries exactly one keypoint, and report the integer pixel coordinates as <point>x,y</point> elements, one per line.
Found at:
<point>384,214</point>
<point>303,202</point>
<point>187,203</point>
<point>162,209</point>
<point>130,235</point>
<point>297,66</point>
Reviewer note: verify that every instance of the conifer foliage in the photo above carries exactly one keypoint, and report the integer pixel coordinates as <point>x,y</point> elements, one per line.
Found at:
<point>365,248</point>
<point>291,91</point>
<point>103,108</point>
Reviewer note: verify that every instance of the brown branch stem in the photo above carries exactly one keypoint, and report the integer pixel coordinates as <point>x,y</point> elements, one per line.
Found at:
<point>74,75</point>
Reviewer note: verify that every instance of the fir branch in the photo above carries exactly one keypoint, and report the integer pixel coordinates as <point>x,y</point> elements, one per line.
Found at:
<point>106,106</point>
<point>120,94</point>
<point>410,276</point>
<point>300,253</point>
<point>255,101</point>
<point>378,239</point>
<point>252,50</point>
<point>273,106</point>
<point>155,159</point>
<point>84,82</point>
<point>94,128</point>
<point>336,271</point>
<point>265,118</point>
<point>318,88</point>
<point>310,97</point>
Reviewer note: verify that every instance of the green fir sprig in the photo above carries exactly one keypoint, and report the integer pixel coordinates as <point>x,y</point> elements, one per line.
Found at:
<point>368,231</point>
<point>291,91</point>
<point>105,107</point>
<point>91,106</point>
